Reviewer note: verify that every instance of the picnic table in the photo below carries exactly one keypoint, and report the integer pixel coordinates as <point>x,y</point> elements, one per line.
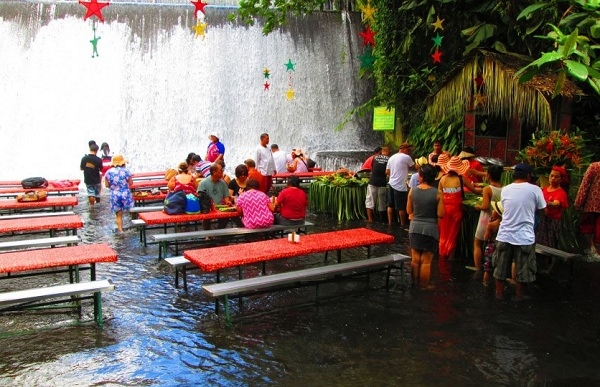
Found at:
<point>17,183</point>
<point>51,261</point>
<point>149,175</point>
<point>164,221</point>
<point>141,198</point>
<point>148,185</point>
<point>55,203</point>
<point>52,190</point>
<point>222,257</point>
<point>41,224</point>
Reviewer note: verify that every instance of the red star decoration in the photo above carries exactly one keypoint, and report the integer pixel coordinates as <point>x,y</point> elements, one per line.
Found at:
<point>266,85</point>
<point>368,36</point>
<point>94,8</point>
<point>437,56</point>
<point>478,80</point>
<point>199,7</point>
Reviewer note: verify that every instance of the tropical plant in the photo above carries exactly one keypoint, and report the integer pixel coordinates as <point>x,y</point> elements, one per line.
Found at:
<point>575,39</point>
<point>339,194</point>
<point>548,149</point>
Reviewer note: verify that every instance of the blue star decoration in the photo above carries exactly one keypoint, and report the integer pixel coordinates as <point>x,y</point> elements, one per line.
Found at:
<point>289,65</point>
<point>367,59</point>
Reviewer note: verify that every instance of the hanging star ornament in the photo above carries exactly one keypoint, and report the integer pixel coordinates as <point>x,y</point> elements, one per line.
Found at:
<point>266,72</point>
<point>479,80</point>
<point>200,29</point>
<point>266,85</point>
<point>367,59</point>
<point>368,36</point>
<point>479,99</point>
<point>437,41</point>
<point>289,65</point>
<point>368,12</point>
<point>437,56</point>
<point>438,24</point>
<point>94,8</point>
<point>199,7</point>
<point>289,94</point>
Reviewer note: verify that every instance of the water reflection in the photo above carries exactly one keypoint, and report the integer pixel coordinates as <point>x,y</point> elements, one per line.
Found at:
<point>157,335</point>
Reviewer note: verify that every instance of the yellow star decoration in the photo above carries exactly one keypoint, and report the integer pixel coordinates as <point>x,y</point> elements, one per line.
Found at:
<point>368,12</point>
<point>438,24</point>
<point>200,29</point>
<point>289,94</point>
<point>479,99</point>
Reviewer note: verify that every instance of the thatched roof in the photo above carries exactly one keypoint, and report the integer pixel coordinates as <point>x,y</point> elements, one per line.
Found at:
<point>504,96</point>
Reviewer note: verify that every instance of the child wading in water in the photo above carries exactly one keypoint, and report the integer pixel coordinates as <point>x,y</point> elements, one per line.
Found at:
<point>490,240</point>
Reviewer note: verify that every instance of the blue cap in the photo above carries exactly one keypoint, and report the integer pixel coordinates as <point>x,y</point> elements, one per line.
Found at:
<point>524,168</point>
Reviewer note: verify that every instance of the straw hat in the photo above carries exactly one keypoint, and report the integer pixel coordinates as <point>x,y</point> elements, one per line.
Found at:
<point>465,155</point>
<point>421,161</point>
<point>443,159</point>
<point>118,160</point>
<point>497,206</point>
<point>298,152</point>
<point>456,164</point>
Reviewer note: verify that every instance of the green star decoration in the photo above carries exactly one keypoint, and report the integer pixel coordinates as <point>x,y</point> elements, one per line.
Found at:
<point>266,72</point>
<point>437,41</point>
<point>367,59</point>
<point>289,65</point>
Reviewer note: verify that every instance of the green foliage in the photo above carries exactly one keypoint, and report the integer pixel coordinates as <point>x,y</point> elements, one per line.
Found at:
<point>449,132</point>
<point>341,195</point>
<point>576,55</point>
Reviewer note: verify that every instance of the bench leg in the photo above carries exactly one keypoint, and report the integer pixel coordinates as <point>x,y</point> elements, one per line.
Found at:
<point>177,277</point>
<point>184,275</point>
<point>226,307</point>
<point>98,308</point>
<point>339,255</point>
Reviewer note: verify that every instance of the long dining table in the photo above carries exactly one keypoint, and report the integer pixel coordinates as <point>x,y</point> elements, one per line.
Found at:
<point>56,203</point>
<point>51,224</point>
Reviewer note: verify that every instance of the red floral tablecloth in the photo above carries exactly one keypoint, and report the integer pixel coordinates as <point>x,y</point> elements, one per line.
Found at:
<point>149,184</point>
<point>159,217</point>
<point>52,201</point>
<point>215,258</point>
<point>60,256</point>
<point>49,188</point>
<point>41,223</point>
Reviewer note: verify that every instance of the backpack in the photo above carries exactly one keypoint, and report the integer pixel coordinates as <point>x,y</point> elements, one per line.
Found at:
<point>175,203</point>
<point>192,204</point>
<point>33,196</point>
<point>205,202</point>
<point>170,173</point>
<point>34,182</point>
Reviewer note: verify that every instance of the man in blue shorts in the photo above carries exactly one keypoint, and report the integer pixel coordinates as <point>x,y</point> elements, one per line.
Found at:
<point>397,170</point>
<point>515,241</point>
<point>91,165</point>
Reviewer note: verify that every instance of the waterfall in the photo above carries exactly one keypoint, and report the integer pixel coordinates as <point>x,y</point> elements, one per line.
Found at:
<point>156,91</point>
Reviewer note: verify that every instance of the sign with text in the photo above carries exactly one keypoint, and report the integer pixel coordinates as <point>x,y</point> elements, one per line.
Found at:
<point>383,118</point>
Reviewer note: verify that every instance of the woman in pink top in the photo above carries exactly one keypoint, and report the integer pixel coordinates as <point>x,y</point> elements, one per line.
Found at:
<point>255,206</point>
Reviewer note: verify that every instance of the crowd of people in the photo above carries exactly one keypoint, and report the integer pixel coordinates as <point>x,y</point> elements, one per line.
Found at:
<point>248,190</point>
<point>512,219</point>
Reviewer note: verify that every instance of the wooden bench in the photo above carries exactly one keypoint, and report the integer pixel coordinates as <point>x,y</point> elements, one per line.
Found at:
<point>302,277</point>
<point>40,242</point>
<point>181,265</point>
<point>165,240</point>
<point>136,210</point>
<point>555,254</point>
<point>31,298</point>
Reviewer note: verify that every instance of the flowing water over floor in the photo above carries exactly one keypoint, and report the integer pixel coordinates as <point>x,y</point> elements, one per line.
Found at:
<point>454,335</point>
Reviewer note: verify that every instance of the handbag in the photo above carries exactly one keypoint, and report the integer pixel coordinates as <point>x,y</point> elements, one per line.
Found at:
<point>192,204</point>
<point>175,203</point>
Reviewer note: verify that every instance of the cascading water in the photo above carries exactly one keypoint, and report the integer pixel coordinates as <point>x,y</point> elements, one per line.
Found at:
<point>156,91</point>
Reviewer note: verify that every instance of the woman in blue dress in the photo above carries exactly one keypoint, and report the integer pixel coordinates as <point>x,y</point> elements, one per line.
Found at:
<point>119,180</point>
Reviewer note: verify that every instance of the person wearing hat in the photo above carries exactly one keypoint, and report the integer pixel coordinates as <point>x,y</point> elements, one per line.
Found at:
<point>475,172</point>
<point>452,188</point>
<point>215,150</point>
<point>298,164</point>
<point>397,170</point>
<point>515,241</point>
<point>414,179</point>
<point>377,188</point>
<point>119,180</point>
<point>91,165</point>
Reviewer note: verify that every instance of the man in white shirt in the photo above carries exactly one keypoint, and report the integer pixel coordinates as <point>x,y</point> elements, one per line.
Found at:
<point>264,160</point>
<point>279,158</point>
<point>515,241</point>
<point>397,170</point>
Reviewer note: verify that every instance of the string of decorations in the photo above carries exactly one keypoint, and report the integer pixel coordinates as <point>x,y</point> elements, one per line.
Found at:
<point>367,59</point>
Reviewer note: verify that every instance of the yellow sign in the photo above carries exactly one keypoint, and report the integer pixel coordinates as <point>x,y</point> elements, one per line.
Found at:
<point>383,118</point>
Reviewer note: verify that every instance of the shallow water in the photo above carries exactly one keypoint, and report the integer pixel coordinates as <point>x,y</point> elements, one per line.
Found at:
<point>154,334</point>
